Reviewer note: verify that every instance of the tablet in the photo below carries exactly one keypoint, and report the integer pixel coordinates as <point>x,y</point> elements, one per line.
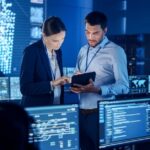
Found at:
<point>83,79</point>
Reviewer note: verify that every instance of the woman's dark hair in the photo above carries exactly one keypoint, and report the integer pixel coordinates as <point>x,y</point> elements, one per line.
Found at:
<point>14,128</point>
<point>53,25</point>
<point>97,18</point>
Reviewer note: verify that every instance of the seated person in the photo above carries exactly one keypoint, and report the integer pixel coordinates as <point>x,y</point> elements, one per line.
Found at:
<point>14,128</point>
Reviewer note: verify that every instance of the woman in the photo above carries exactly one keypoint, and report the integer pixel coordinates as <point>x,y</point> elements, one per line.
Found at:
<point>41,80</point>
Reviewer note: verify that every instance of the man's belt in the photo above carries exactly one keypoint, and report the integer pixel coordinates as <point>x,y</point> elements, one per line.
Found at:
<point>88,111</point>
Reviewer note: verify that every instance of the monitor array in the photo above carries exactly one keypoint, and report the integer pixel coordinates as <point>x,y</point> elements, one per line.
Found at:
<point>10,88</point>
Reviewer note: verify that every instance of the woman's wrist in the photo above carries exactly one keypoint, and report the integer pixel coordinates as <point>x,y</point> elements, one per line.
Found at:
<point>52,85</point>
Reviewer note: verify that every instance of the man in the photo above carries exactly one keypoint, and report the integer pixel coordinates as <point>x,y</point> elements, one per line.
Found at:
<point>109,62</point>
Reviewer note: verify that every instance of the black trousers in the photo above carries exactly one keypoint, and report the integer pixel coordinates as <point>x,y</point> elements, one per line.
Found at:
<point>89,130</point>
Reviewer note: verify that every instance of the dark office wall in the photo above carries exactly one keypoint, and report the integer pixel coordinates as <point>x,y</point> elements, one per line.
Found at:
<point>137,15</point>
<point>72,13</point>
<point>112,9</point>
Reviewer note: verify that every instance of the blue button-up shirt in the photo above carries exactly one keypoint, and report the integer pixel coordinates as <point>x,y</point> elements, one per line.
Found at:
<point>109,62</point>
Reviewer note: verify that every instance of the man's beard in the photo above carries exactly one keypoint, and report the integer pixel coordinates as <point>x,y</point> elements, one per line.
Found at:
<point>95,44</point>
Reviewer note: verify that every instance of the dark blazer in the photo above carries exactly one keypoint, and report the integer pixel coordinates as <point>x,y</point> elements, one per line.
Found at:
<point>35,76</point>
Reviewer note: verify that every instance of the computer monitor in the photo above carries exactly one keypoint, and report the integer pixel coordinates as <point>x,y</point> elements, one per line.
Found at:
<point>57,127</point>
<point>4,88</point>
<point>138,84</point>
<point>123,122</point>
<point>148,84</point>
<point>15,93</point>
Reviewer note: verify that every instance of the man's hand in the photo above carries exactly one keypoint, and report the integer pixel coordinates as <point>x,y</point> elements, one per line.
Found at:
<point>89,88</point>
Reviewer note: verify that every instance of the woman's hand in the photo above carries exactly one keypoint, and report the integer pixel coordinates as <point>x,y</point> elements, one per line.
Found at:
<point>60,81</point>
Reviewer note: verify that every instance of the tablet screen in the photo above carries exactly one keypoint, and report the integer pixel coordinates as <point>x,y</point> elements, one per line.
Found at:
<point>83,79</point>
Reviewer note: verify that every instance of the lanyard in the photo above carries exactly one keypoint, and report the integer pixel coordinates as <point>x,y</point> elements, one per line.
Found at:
<point>53,71</point>
<point>88,64</point>
<point>53,65</point>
